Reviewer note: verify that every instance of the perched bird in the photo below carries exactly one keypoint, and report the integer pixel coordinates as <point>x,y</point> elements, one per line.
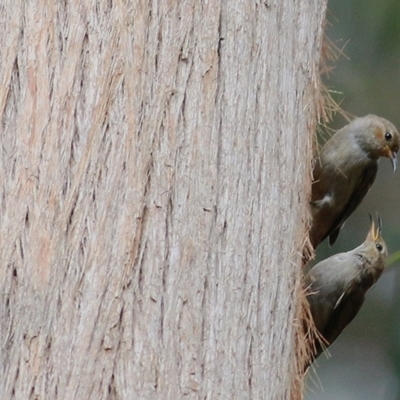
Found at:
<point>345,170</point>
<point>336,287</point>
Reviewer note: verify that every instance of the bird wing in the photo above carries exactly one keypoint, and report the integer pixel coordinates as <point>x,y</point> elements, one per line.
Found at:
<point>344,311</point>
<point>335,296</point>
<point>361,189</point>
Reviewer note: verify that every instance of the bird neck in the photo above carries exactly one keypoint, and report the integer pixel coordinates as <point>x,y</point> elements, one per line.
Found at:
<point>370,271</point>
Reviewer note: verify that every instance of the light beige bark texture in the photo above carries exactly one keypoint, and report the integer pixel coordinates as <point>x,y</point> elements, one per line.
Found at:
<point>154,177</point>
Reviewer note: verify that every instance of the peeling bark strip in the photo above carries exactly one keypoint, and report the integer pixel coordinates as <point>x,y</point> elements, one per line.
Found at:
<point>155,160</point>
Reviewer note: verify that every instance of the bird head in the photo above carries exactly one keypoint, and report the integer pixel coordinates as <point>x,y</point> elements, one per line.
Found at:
<point>390,143</point>
<point>374,245</point>
<point>378,137</point>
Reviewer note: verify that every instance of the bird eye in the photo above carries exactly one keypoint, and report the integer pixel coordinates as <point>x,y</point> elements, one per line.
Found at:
<point>388,136</point>
<point>379,247</point>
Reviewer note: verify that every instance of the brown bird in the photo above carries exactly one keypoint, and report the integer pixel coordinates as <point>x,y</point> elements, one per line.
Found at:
<point>345,170</point>
<point>337,286</point>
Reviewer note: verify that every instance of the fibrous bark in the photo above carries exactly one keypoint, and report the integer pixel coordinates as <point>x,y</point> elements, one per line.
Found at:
<point>155,174</point>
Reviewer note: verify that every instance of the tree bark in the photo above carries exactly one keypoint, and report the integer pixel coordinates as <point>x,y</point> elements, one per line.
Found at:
<point>155,176</point>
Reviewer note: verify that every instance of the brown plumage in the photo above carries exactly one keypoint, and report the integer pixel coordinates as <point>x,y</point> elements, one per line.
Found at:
<point>337,286</point>
<point>345,170</point>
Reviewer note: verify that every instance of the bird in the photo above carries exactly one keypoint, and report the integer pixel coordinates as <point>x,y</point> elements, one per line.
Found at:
<point>345,170</point>
<point>336,287</point>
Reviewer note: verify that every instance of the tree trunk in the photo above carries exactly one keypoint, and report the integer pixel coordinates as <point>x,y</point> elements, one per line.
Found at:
<point>155,174</point>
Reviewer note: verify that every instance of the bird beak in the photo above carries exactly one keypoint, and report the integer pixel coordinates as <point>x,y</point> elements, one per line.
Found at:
<point>374,231</point>
<point>393,159</point>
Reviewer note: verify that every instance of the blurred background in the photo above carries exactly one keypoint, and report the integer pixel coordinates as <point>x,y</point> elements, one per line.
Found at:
<point>365,360</point>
